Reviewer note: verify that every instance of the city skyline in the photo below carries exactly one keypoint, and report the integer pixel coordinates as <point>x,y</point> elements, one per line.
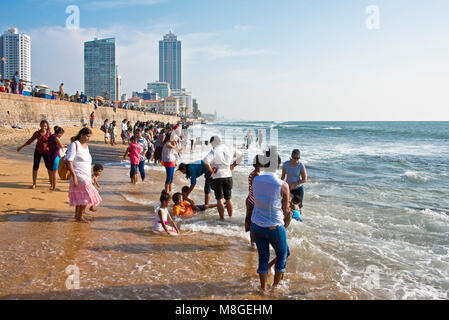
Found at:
<point>306,61</point>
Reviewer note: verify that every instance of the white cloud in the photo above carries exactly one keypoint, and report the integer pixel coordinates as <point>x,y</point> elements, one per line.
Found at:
<point>58,54</point>
<point>207,46</point>
<point>240,27</point>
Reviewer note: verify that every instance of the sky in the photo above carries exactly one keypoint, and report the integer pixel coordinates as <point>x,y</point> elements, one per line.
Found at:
<point>283,60</point>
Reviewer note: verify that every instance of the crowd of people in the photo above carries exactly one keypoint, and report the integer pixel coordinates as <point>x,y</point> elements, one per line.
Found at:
<point>14,85</point>
<point>271,203</point>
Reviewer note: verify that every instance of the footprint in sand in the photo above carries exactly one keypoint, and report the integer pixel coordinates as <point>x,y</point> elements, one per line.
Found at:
<point>38,198</point>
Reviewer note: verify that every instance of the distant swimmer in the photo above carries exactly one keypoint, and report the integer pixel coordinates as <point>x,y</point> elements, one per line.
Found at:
<point>249,138</point>
<point>295,174</point>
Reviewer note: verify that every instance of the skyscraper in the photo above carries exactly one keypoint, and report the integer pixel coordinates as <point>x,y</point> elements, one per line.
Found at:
<point>161,88</point>
<point>100,70</point>
<point>170,61</point>
<point>15,52</point>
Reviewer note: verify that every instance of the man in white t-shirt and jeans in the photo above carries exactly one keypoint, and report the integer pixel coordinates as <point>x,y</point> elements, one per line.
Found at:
<point>144,145</point>
<point>220,163</point>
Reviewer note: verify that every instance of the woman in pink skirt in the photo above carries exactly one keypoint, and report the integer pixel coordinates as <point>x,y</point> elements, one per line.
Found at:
<point>81,191</point>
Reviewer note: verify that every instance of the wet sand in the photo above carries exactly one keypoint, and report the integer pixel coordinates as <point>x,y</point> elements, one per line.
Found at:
<point>117,255</point>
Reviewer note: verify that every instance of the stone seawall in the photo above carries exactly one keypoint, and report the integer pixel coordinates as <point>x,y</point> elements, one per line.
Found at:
<point>27,112</point>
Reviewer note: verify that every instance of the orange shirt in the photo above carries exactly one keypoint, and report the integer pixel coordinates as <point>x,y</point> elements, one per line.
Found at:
<point>184,209</point>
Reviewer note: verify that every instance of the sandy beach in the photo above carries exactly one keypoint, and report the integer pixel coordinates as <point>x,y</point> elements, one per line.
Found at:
<point>118,255</point>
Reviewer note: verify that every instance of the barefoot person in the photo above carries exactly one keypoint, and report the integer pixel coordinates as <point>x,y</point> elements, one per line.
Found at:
<point>295,174</point>
<point>250,198</point>
<point>194,171</point>
<point>169,158</point>
<point>54,144</point>
<point>163,222</point>
<point>41,150</point>
<point>97,171</point>
<point>81,190</point>
<point>220,165</point>
<point>271,215</point>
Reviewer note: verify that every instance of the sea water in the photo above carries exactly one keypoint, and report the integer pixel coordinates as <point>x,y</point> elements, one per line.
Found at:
<point>376,206</point>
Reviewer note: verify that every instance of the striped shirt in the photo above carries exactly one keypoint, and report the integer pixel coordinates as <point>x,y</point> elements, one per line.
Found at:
<point>251,177</point>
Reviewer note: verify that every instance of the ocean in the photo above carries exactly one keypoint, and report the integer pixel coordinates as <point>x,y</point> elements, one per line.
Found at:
<point>376,207</point>
<point>375,223</point>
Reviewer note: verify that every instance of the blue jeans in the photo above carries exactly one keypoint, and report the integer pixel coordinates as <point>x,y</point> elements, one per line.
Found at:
<point>170,172</point>
<point>142,169</point>
<point>278,240</point>
<point>133,170</point>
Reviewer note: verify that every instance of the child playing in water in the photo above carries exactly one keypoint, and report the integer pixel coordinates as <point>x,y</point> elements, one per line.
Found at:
<point>163,222</point>
<point>250,199</point>
<point>97,171</point>
<point>185,206</point>
<point>185,196</point>
<point>294,205</point>
<point>133,152</point>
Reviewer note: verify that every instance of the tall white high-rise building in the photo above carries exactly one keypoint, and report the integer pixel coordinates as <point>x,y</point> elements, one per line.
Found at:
<point>15,52</point>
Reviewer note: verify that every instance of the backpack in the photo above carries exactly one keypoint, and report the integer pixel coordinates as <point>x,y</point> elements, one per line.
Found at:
<point>63,168</point>
<point>103,128</point>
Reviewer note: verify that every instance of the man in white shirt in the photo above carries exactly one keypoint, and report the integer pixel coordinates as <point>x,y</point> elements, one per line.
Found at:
<point>124,128</point>
<point>220,163</point>
<point>144,145</point>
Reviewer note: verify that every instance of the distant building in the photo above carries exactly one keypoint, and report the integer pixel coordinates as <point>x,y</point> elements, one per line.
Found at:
<point>171,105</point>
<point>170,61</point>
<point>154,105</point>
<point>15,52</point>
<point>100,69</point>
<point>185,96</point>
<point>146,95</point>
<point>124,97</point>
<point>161,88</point>
<point>195,109</point>
<point>135,101</point>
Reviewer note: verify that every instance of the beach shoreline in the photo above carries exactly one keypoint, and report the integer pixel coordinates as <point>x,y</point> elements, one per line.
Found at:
<point>117,254</point>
